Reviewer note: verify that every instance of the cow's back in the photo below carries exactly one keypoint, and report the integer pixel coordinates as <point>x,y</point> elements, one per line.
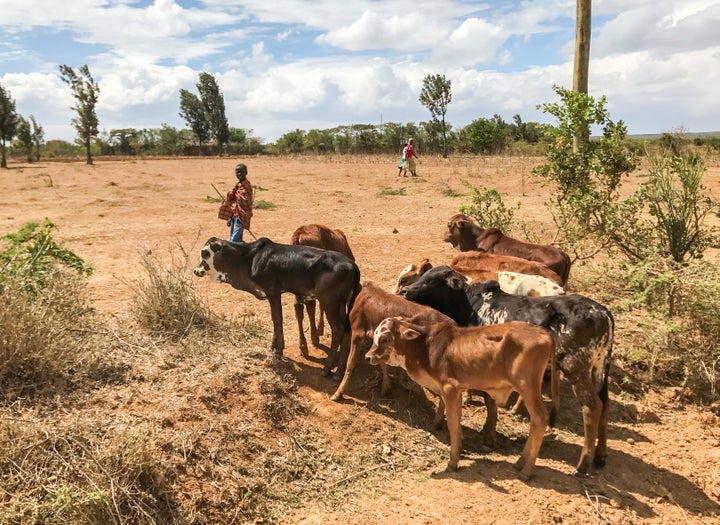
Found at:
<point>477,260</point>
<point>320,236</point>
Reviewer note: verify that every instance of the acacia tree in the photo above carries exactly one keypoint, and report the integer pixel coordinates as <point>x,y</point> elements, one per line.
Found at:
<point>86,93</point>
<point>436,96</point>
<point>214,105</point>
<point>8,122</point>
<point>38,136</point>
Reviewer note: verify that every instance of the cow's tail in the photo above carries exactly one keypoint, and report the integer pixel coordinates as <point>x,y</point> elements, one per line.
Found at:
<point>353,295</point>
<point>603,393</point>
<point>566,274</point>
<point>554,385</point>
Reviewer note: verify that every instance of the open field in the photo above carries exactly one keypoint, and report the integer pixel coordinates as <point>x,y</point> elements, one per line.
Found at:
<point>373,460</point>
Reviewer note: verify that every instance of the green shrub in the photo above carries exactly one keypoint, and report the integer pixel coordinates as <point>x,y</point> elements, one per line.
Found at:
<point>488,209</point>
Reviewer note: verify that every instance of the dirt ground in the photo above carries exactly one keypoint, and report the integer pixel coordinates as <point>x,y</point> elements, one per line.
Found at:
<point>664,457</point>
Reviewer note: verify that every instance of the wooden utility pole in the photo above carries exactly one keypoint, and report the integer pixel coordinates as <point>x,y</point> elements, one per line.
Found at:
<point>582,61</point>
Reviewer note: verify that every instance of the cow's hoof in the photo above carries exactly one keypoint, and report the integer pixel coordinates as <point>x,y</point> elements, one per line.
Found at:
<point>579,475</point>
<point>599,461</point>
<point>304,352</point>
<point>316,343</point>
<point>337,397</point>
<point>451,468</point>
<point>523,477</point>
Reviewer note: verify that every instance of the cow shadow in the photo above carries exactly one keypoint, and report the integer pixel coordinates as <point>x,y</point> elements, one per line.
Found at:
<point>629,482</point>
<point>625,482</point>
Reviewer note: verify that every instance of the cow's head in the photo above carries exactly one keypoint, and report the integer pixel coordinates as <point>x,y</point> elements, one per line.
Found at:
<point>444,289</point>
<point>410,274</point>
<point>387,341</point>
<point>457,231</point>
<point>226,262</point>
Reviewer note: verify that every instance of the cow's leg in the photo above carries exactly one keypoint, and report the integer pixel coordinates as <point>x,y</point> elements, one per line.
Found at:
<point>490,426</point>
<point>355,345</point>
<point>439,413</point>
<point>342,359</point>
<point>299,312</point>
<point>336,319</point>
<point>314,330</point>
<point>601,451</point>
<point>538,425</point>
<point>278,341</point>
<point>453,412</point>
<point>321,321</point>
<point>386,383</point>
<point>592,407</point>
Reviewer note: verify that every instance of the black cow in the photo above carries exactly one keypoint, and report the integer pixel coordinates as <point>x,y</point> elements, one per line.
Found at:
<point>267,269</point>
<point>583,332</point>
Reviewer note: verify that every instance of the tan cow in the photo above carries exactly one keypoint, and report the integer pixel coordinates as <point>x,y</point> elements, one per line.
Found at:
<point>510,282</point>
<point>318,236</point>
<point>497,359</point>
<point>473,260</point>
<point>465,235</point>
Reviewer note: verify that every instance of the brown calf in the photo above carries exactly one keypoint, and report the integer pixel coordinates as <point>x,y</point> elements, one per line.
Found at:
<point>465,235</point>
<point>448,359</point>
<point>371,306</point>
<point>318,236</point>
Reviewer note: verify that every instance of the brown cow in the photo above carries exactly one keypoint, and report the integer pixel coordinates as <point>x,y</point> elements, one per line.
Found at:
<point>448,359</point>
<point>318,236</point>
<point>371,306</point>
<point>465,235</point>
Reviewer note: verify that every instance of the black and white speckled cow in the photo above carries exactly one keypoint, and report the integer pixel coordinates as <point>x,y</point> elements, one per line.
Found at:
<point>267,270</point>
<point>583,332</point>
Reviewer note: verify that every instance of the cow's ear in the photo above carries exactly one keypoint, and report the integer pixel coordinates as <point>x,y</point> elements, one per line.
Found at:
<point>456,283</point>
<point>425,265</point>
<point>408,333</point>
<point>215,245</point>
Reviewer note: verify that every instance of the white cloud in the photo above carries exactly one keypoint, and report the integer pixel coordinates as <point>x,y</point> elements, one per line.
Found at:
<point>292,63</point>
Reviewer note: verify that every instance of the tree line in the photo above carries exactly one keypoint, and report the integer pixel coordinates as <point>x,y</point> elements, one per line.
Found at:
<point>209,133</point>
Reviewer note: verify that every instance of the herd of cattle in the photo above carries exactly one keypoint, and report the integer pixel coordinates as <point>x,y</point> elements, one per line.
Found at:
<point>493,321</point>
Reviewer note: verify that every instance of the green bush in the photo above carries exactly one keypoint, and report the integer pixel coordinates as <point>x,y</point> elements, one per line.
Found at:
<point>488,209</point>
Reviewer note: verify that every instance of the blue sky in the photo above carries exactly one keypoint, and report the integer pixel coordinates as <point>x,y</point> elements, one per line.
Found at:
<point>287,64</point>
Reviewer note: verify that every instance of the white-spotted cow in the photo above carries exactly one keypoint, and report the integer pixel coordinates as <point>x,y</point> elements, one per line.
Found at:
<point>583,332</point>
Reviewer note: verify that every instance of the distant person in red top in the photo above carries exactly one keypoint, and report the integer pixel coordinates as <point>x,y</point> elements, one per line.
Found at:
<point>239,202</point>
<point>408,160</point>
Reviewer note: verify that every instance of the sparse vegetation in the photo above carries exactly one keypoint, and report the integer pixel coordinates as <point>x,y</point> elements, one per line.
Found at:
<point>391,192</point>
<point>488,209</point>
<point>260,204</point>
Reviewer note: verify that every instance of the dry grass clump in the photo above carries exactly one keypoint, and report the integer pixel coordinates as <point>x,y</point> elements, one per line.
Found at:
<point>165,302</point>
<point>84,471</point>
<point>668,321</point>
<point>44,331</point>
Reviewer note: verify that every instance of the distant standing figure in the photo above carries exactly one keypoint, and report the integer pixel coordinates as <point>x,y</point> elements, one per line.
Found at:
<point>408,162</point>
<point>238,204</point>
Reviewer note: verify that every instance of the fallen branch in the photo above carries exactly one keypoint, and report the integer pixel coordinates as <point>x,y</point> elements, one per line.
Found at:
<point>361,473</point>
